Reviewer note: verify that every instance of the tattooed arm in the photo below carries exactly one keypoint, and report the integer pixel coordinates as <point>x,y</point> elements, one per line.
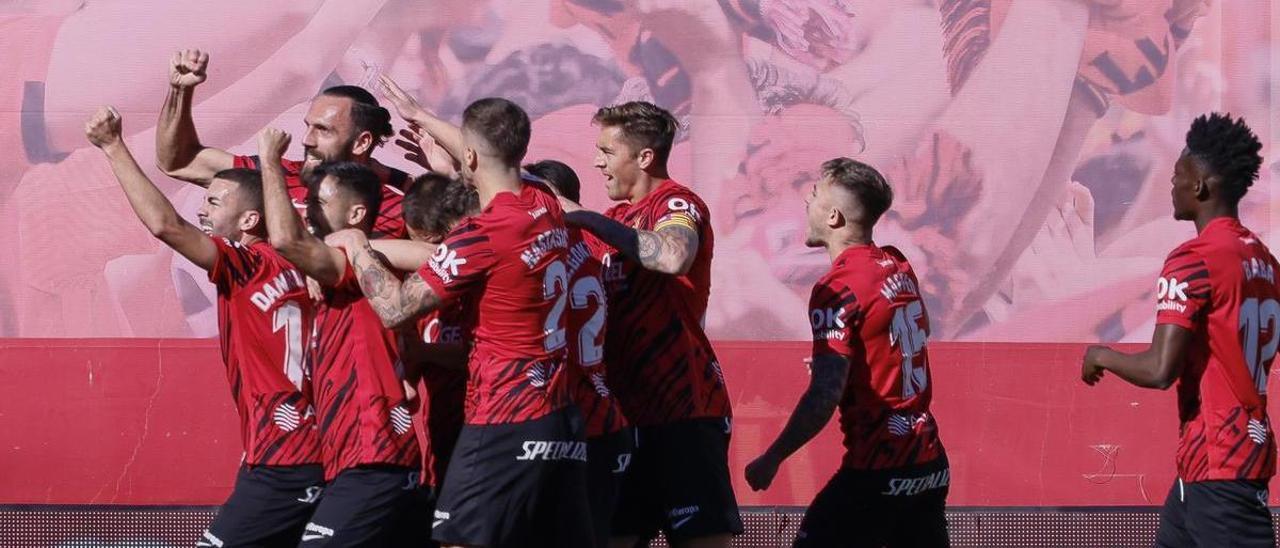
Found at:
<point>395,302</point>
<point>829,374</point>
<point>670,249</point>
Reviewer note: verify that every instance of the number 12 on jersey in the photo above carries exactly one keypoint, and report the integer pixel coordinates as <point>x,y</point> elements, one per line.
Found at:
<point>1255,316</point>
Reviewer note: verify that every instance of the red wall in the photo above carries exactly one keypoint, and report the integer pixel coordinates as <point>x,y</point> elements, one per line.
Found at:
<point>144,421</point>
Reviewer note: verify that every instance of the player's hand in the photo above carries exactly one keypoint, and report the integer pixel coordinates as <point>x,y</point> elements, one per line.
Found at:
<point>1091,370</point>
<point>314,290</point>
<point>760,472</point>
<point>406,106</point>
<point>187,68</point>
<point>409,393</point>
<point>103,129</point>
<point>349,239</point>
<point>272,143</point>
<point>421,149</point>
<point>570,206</point>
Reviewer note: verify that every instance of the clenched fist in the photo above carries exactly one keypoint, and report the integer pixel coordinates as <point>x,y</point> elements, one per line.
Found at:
<point>187,68</point>
<point>103,129</point>
<point>272,144</point>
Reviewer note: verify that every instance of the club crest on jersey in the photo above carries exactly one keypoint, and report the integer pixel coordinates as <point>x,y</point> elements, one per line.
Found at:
<point>1169,291</point>
<point>445,263</point>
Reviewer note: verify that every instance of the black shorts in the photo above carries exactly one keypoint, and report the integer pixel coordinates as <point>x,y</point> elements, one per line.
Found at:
<point>1216,513</point>
<point>365,506</point>
<point>519,484</point>
<point>899,507</point>
<point>269,506</point>
<point>608,460</point>
<point>679,483</point>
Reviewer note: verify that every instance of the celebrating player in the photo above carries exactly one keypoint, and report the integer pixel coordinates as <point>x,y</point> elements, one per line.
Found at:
<point>869,358</point>
<point>370,454</point>
<point>610,441</point>
<point>1217,330</point>
<point>344,123</point>
<point>264,315</point>
<point>660,362</point>
<point>521,478</point>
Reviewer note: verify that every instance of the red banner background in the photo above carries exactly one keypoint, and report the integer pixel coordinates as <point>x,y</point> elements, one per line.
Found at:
<point>150,421</point>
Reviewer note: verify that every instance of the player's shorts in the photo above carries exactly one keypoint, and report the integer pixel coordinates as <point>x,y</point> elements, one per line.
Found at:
<point>679,483</point>
<point>415,529</point>
<point>873,508</point>
<point>518,484</point>
<point>1216,513</point>
<point>608,460</point>
<point>365,506</point>
<point>268,506</point>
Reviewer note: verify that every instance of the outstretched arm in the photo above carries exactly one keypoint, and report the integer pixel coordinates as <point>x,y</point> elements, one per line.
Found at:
<point>670,249</point>
<point>284,228</point>
<point>1156,367</point>
<point>829,372</point>
<point>179,153</point>
<point>447,135</point>
<point>152,207</point>
<point>395,302</point>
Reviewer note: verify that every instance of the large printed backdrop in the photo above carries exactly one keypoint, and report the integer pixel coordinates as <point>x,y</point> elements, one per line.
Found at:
<point>1029,143</point>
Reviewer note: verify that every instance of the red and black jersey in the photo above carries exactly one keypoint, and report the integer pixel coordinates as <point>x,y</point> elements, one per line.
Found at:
<point>390,221</point>
<point>360,402</point>
<point>588,311</point>
<point>868,310</point>
<point>442,391</point>
<point>264,319</point>
<point>510,260</point>
<point>1221,285</point>
<point>661,364</point>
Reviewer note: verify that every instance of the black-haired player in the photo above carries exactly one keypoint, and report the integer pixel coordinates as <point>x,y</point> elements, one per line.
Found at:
<point>367,445</point>
<point>610,441</point>
<point>1217,331</point>
<point>344,123</point>
<point>264,319</point>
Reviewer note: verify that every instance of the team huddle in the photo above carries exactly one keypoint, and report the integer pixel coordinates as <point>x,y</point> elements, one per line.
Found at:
<point>469,357</point>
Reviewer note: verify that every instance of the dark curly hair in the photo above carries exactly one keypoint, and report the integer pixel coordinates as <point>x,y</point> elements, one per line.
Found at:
<point>1228,149</point>
<point>434,203</point>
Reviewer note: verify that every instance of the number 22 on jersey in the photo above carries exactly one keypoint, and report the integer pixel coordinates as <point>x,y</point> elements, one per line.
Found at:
<point>554,285</point>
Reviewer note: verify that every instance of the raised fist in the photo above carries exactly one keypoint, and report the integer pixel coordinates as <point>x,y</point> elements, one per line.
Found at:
<point>103,128</point>
<point>272,144</point>
<point>187,68</point>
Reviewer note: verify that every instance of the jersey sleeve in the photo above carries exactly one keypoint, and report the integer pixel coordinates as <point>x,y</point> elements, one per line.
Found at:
<point>247,162</point>
<point>234,265</point>
<point>682,209</point>
<point>833,315</point>
<point>460,264</point>
<point>1182,291</point>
